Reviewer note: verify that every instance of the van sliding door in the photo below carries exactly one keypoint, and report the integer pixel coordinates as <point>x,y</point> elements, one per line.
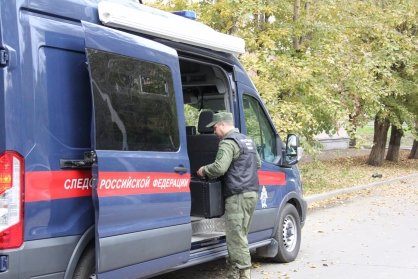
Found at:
<point>141,172</point>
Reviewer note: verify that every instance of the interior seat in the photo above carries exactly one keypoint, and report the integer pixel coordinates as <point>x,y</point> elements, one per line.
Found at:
<point>202,148</point>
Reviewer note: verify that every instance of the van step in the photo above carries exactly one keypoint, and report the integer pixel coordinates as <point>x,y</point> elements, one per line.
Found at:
<point>207,236</point>
<point>206,226</point>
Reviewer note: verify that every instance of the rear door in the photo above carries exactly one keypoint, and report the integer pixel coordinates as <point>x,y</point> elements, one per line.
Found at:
<point>141,173</point>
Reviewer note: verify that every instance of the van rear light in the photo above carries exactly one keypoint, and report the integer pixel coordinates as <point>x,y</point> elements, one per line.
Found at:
<point>11,200</point>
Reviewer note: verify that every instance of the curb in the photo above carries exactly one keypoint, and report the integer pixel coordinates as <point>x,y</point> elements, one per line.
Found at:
<point>327,195</point>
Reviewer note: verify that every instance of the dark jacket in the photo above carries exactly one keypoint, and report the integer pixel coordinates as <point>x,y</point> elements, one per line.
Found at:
<point>242,174</point>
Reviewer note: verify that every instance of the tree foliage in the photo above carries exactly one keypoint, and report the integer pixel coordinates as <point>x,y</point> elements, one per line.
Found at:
<point>323,64</point>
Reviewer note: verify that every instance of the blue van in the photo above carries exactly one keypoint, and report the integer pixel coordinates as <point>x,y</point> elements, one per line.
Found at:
<point>103,108</point>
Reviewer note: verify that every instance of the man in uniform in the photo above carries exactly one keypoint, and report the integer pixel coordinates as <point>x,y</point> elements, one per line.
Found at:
<point>237,161</point>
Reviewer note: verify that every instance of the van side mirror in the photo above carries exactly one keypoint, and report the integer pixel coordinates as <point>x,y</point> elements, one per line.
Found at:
<point>293,151</point>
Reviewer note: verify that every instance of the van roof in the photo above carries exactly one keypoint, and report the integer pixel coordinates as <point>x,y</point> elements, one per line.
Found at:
<point>130,15</point>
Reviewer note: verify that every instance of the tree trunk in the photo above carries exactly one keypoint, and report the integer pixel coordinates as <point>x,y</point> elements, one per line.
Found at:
<point>353,138</point>
<point>394,144</point>
<point>296,15</point>
<point>307,6</point>
<point>377,154</point>
<point>352,131</point>
<point>414,151</point>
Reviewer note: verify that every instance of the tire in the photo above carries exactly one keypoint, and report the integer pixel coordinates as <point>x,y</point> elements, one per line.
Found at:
<point>86,266</point>
<point>288,235</point>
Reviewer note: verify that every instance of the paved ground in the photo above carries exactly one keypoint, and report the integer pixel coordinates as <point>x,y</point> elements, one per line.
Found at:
<point>373,234</point>
<point>368,234</point>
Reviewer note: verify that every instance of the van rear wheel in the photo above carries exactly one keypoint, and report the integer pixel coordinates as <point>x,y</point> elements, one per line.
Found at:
<point>288,234</point>
<point>86,266</point>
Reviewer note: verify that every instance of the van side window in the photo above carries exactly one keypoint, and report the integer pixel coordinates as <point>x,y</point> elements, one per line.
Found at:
<point>134,102</point>
<point>61,94</point>
<point>259,129</point>
<point>191,115</point>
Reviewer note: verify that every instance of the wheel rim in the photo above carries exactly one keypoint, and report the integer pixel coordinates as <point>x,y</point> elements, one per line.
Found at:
<point>290,234</point>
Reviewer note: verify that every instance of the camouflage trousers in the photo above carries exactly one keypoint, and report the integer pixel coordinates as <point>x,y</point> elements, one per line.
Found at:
<point>239,210</point>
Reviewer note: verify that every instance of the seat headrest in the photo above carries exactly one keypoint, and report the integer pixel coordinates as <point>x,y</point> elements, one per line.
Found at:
<point>190,130</point>
<point>205,118</point>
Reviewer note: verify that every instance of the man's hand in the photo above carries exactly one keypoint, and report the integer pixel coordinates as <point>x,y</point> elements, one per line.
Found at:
<point>201,172</point>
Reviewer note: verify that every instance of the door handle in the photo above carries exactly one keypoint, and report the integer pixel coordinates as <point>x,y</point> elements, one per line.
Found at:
<point>74,164</point>
<point>87,162</point>
<point>180,169</point>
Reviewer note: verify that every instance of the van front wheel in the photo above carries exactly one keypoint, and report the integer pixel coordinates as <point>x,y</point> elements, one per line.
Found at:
<point>288,234</point>
<point>86,266</point>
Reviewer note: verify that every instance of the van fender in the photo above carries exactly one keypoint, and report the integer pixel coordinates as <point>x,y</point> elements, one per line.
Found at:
<point>85,239</point>
<point>300,204</point>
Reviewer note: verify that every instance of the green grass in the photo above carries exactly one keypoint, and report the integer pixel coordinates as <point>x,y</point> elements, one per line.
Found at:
<point>365,136</point>
<point>324,176</point>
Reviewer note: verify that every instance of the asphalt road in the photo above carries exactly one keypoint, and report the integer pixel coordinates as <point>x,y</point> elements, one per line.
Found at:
<point>372,233</point>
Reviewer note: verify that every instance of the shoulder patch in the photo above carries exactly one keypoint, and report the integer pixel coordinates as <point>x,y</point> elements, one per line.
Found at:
<point>220,154</point>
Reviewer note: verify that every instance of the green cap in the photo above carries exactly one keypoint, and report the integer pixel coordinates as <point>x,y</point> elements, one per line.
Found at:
<point>219,117</point>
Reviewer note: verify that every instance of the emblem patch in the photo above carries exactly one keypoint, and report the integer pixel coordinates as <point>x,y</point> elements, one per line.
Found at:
<point>263,197</point>
<point>219,155</point>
